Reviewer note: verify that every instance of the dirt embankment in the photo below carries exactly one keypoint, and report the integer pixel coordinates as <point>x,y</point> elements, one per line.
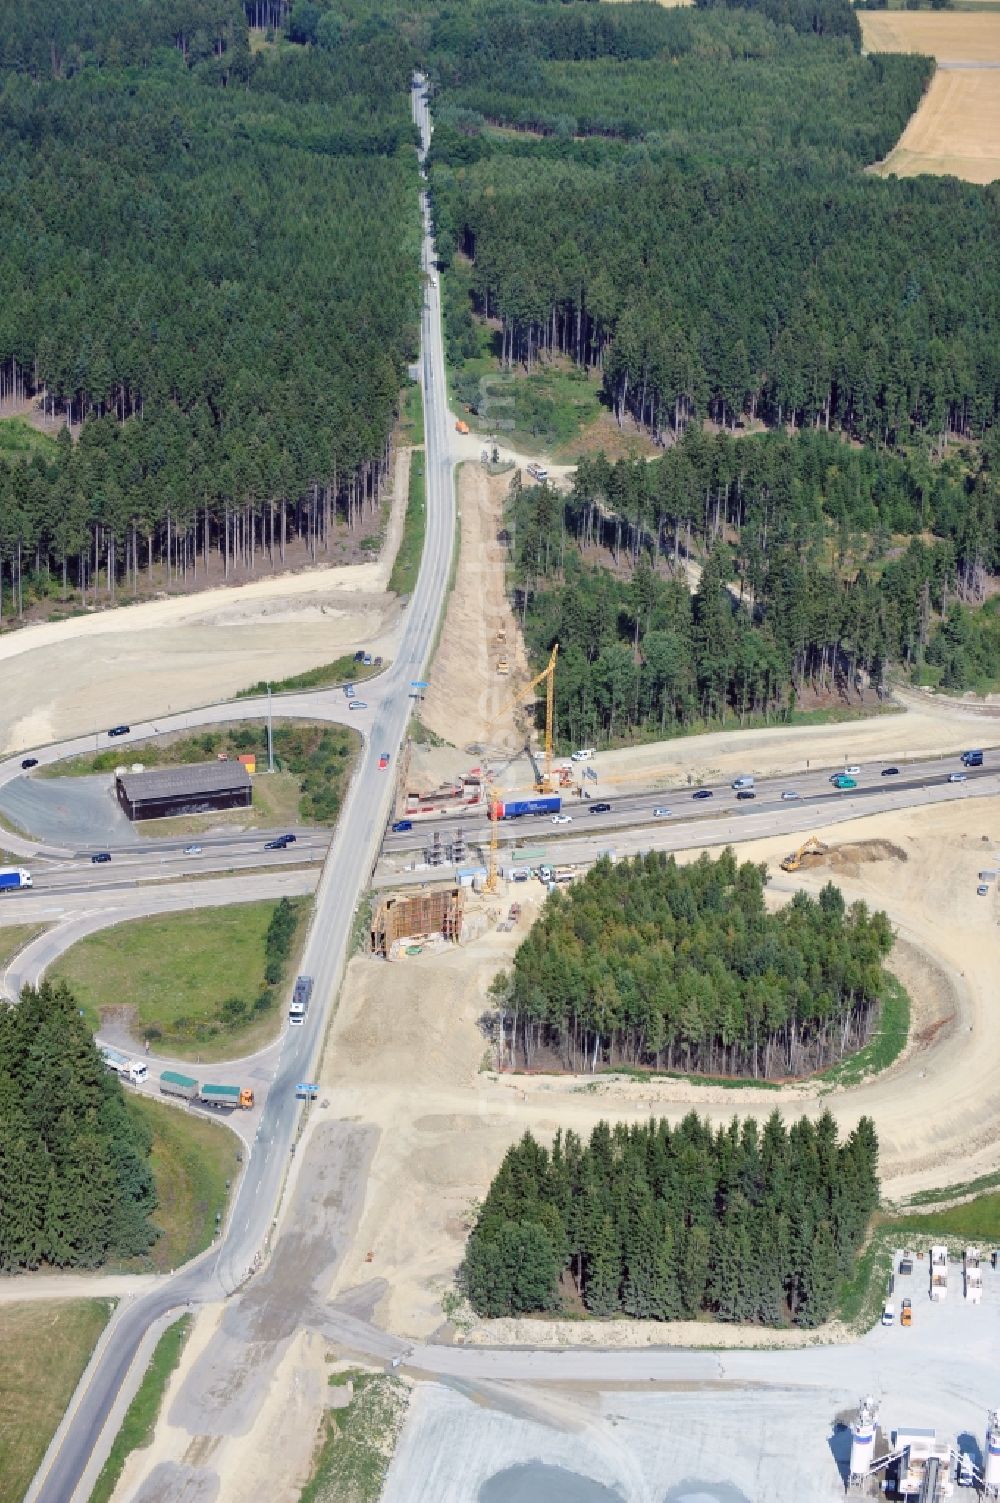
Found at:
<point>468,691</point>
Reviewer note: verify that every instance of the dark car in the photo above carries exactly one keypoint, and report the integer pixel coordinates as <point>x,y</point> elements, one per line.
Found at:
<point>27,762</point>
<point>401,826</point>
<point>119,730</point>
<point>279,842</point>
<point>745,793</point>
<point>890,772</point>
<point>359,657</point>
<point>100,857</point>
<point>600,808</point>
<point>702,793</point>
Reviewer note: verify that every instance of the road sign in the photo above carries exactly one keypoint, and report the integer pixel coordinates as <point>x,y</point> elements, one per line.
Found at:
<point>306,1088</point>
<point>419,683</point>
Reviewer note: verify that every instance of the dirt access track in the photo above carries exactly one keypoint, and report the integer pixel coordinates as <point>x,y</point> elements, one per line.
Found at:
<point>956,129</point>
<point>65,678</point>
<point>406,1055</point>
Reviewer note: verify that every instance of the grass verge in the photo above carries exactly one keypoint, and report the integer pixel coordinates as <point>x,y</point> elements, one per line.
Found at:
<point>15,938</point>
<point>341,671</point>
<point>411,544</point>
<point>358,1440</point>
<point>320,757</point>
<point>885,1045</point>
<point>143,1412</point>
<point>411,415</point>
<point>193,1160</point>
<point>46,1345</point>
<point>198,981</point>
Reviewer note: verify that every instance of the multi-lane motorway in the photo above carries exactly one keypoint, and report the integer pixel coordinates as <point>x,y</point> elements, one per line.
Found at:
<point>348,867</point>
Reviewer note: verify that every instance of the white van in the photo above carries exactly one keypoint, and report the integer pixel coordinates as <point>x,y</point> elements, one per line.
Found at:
<point>744,782</point>
<point>585,754</point>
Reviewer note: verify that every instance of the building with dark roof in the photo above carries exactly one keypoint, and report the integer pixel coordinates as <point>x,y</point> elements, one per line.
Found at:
<point>194,788</point>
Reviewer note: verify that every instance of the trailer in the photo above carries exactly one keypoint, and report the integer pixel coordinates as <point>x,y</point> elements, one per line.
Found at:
<point>939,1273</point>
<point>973,1276</point>
<point>173,1083</point>
<point>516,808</point>
<point>226,1097</point>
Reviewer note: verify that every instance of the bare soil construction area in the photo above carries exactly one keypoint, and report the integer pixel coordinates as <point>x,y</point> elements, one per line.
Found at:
<point>956,129</point>
<point>407,1054</point>
<point>65,678</point>
<point>467,689</point>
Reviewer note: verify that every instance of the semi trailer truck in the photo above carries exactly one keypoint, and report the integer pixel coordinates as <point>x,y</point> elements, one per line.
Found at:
<point>14,877</point>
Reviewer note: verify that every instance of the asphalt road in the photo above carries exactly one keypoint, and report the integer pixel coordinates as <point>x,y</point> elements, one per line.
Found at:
<point>347,871</point>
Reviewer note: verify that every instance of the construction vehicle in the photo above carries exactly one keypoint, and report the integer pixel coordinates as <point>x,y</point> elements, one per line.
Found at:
<point>503,663</point>
<point>501,636</point>
<point>810,847</point>
<point>906,1313</point>
<point>461,426</point>
<point>545,779</point>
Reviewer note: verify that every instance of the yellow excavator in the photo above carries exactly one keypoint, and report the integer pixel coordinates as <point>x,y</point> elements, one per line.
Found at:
<point>545,779</point>
<point>810,847</point>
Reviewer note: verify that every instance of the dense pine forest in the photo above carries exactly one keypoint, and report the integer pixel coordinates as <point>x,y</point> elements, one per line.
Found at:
<point>210,263</point>
<point>825,565</point>
<point>647,963</point>
<point>75,1182</point>
<point>681,204</point>
<point>665,1223</point>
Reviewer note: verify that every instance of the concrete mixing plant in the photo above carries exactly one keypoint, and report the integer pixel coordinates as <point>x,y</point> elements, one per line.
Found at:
<point>863,1441</point>
<point>991,1457</point>
<point>973,1276</point>
<point>939,1273</point>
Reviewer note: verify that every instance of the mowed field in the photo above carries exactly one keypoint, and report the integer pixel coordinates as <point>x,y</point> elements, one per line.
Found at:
<point>956,130</point>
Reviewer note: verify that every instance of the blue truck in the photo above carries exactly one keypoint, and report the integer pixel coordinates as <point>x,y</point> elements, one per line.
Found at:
<point>972,759</point>
<point>13,877</point>
<point>516,808</point>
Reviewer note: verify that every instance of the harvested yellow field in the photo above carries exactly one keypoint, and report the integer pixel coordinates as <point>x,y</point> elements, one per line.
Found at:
<point>955,131</point>
<point>950,36</point>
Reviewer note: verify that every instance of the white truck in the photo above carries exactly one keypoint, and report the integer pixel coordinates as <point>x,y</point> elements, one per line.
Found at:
<point>14,877</point>
<point>135,1071</point>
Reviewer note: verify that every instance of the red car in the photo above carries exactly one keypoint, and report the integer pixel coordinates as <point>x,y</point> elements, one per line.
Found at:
<point>383,762</point>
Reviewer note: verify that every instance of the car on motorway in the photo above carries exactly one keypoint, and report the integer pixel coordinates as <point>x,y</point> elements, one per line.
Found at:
<point>982,890</point>
<point>743,794</point>
<point>790,793</point>
<point>400,826</point>
<point>958,777</point>
<point>280,842</point>
<point>890,772</point>
<point>192,850</point>
<point>383,762</point>
<point>600,808</point>
<point>357,704</point>
<point>703,793</point>
<point>27,762</point>
<point>659,813</point>
<point>119,730</point>
<point>562,819</point>
<point>100,857</point>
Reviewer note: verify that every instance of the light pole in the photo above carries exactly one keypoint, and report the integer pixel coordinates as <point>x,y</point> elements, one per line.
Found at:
<point>270,736</point>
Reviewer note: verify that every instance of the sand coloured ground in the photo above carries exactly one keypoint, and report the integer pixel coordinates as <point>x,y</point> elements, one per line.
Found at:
<point>956,129</point>
<point>406,1053</point>
<point>65,678</point>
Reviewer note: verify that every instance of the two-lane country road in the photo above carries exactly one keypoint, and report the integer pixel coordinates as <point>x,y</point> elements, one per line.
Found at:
<point>348,869</point>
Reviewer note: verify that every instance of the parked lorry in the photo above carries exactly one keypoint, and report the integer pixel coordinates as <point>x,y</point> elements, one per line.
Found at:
<point>135,1071</point>
<point>14,877</point>
<point>516,807</point>
<point>226,1096</point>
<point>173,1083</point>
<point>906,1313</point>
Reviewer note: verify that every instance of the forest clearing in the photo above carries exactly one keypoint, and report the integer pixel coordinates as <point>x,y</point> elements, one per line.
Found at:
<point>413,1060</point>
<point>61,678</point>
